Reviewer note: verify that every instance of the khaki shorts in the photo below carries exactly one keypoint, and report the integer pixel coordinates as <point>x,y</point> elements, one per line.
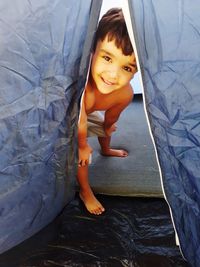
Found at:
<point>95,122</point>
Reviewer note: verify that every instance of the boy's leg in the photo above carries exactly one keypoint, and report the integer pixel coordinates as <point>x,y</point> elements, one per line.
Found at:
<point>107,151</point>
<point>86,194</point>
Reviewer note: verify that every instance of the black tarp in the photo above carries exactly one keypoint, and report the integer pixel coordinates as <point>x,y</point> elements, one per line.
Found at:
<point>133,232</point>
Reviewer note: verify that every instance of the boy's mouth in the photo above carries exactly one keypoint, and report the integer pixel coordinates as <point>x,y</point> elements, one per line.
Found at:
<point>107,82</point>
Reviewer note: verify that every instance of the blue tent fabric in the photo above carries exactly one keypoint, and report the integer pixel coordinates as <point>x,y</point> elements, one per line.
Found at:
<point>168,43</point>
<point>41,44</point>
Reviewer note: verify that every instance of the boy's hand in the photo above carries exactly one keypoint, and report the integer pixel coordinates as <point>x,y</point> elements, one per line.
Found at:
<point>110,130</point>
<point>84,155</point>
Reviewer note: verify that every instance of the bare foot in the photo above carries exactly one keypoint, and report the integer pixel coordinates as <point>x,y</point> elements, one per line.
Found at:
<point>91,203</point>
<point>115,153</point>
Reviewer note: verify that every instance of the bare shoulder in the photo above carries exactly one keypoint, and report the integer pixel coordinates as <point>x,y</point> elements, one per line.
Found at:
<point>122,99</point>
<point>126,94</point>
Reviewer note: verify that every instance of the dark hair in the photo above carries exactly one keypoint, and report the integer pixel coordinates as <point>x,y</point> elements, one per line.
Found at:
<point>113,26</point>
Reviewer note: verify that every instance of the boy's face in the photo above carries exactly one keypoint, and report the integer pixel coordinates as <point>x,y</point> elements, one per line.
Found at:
<point>111,69</point>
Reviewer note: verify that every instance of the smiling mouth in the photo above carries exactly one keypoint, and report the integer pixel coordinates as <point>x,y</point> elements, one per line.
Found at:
<point>107,82</point>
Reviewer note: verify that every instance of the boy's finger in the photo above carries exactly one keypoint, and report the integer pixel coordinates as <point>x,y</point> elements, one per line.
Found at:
<point>84,163</point>
<point>81,163</point>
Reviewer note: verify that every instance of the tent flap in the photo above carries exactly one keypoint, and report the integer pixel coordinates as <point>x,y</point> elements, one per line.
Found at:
<point>168,41</point>
<point>40,52</point>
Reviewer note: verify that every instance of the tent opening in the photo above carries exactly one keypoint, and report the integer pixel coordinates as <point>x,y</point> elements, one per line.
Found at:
<point>137,174</point>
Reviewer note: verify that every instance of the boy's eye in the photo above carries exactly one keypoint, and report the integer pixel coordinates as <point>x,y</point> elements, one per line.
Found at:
<point>126,68</point>
<point>107,58</point>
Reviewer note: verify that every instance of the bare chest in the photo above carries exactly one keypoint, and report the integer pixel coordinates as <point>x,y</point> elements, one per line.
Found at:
<point>101,102</point>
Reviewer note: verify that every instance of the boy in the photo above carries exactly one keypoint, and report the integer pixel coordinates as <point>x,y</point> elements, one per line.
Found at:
<point>108,89</point>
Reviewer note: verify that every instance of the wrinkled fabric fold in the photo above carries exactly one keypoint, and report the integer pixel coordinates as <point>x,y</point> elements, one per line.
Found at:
<point>168,41</point>
<point>40,53</point>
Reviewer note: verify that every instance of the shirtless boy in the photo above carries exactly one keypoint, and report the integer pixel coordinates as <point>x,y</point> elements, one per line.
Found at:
<point>108,89</point>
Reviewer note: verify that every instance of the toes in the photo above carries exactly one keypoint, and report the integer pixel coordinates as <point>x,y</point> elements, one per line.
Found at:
<point>125,153</point>
<point>97,211</point>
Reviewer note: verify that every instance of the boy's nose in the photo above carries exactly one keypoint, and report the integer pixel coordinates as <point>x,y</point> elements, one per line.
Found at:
<point>113,73</point>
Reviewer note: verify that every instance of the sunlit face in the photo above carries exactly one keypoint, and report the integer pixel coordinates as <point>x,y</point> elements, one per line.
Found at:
<point>111,69</point>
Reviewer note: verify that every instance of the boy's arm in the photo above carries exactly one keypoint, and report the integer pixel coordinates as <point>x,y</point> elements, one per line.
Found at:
<point>84,148</point>
<point>112,114</point>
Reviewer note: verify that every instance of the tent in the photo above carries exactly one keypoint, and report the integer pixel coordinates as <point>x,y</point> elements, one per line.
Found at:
<point>167,37</point>
<point>40,53</point>
<point>44,55</point>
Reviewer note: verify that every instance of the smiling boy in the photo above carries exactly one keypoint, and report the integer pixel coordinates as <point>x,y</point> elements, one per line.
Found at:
<point>108,89</point>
